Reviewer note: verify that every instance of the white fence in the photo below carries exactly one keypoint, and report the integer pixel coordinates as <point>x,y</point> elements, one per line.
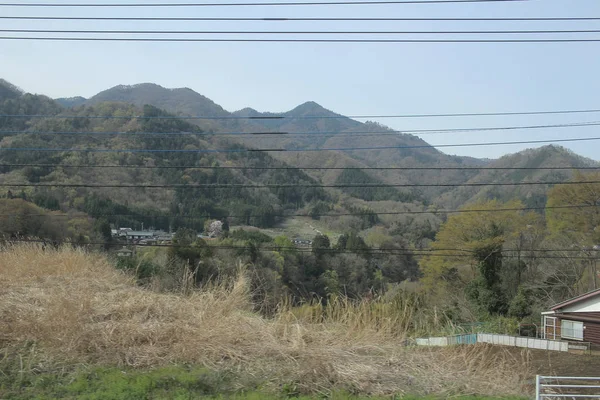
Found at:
<point>504,340</point>
<point>519,341</point>
<point>566,387</point>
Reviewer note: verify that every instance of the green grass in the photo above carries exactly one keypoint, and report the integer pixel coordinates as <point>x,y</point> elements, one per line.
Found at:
<point>174,382</point>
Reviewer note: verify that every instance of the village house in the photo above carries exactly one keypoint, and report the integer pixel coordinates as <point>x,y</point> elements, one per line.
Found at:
<point>125,253</point>
<point>139,235</point>
<point>577,319</point>
<point>302,242</point>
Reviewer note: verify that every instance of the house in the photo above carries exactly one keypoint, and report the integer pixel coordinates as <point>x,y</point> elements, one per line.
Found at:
<point>139,234</point>
<point>124,252</point>
<point>302,242</point>
<point>577,319</point>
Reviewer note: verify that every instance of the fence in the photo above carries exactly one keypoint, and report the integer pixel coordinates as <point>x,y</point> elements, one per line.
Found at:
<point>566,387</point>
<point>504,340</point>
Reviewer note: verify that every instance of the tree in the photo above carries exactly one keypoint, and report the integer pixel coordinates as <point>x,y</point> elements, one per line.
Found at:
<point>320,244</point>
<point>192,250</point>
<point>470,249</point>
<point>582,224</point>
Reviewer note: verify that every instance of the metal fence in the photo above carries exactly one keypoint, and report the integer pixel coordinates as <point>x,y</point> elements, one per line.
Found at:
<point>567,387</point>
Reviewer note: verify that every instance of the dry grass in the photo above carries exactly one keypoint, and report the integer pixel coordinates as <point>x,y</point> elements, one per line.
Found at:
<point>77,308</point>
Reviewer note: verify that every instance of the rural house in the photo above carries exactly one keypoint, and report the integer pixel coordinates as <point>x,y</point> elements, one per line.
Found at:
<point>125,252</point>
<point>574,319</point>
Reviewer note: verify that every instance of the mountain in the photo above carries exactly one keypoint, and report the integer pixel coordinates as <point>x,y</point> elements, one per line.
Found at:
<point>550,156</point>
<point>307,117</point>
<point>9,91</point>
<point>70,102</point>
<point>180,101</point>
<point>311,126</point>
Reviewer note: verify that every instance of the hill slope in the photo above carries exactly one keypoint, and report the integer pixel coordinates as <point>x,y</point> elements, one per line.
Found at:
<point>311,126</point>
<point>532,159</point>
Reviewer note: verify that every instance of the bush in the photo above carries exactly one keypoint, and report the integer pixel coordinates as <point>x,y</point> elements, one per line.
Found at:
<point>142,269</point>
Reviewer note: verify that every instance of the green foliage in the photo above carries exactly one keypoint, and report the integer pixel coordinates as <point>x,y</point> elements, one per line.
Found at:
<point>187,247</point>
<point>352,176</point>
<point>46,200</point>
<point>250,236</point>
<point>22,219</point>
<point>173,382</point>
<point>318,209</point>
<point>368,217</point>
<point>320,243</point>
<point>142,269</point>
<point>176,382</point>
<point>520,306</point>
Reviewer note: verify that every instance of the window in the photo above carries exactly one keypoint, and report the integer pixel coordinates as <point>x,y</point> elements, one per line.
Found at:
<point>571,329</point>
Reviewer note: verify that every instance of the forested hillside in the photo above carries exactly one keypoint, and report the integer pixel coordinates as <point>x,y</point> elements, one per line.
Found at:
<point>114,161</point>
<point>311,126</point>
<point>153,159</point>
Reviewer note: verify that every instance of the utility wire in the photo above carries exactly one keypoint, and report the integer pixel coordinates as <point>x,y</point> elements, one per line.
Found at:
<point>314,19</point>
<point>355,214</point>
<point>294,150</point>
<point>275,186</point>
<point>240,40</point>
<point>252,4</point>
<point>388,132</point>
<point>253,168</point>
<point>397,252</point>
<point>180,32</point>
<point>300,117</point>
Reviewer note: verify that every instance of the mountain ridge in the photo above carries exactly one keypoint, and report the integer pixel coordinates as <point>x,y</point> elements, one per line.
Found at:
<point>337,131</point>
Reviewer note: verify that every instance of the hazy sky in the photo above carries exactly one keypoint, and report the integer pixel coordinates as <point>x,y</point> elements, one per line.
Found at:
<point>346,78</point>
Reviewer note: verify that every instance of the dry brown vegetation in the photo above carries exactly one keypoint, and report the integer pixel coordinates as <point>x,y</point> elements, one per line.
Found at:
<point>77,309</point>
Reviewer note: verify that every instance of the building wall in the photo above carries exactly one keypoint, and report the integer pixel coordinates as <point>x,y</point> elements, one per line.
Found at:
<point>591,330</point>
<point>587,306</point>
<point>591,333</point>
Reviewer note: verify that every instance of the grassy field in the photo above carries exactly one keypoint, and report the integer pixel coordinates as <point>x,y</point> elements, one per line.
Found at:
<point>75,327</point>
<point>174,382</point>
<point>298,227</point>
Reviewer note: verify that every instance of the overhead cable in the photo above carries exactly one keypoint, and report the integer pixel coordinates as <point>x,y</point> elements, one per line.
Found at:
<point>321,32</point>
<point>253,4</point>
<point>387,132</point>
<point>263,40</point>
<point>300,117</point>
<point>275,186</point>
<point>378,251</point>
<point>292,150</point>
<point>353,214</point>
<point>254,168</point>
<point>283,19</point>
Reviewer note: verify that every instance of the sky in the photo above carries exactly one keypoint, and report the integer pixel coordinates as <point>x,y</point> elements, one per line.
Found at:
<point>350,79</point>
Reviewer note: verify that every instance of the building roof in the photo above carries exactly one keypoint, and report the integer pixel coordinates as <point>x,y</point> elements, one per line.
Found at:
<point>140,233</point>
<point>575,300</point>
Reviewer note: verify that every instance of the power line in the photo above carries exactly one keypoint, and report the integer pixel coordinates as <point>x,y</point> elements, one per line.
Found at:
<point>354,214</point>
<point>294,150</point>
<point>314,19</point>
<point>253,168</point>
<point>253,4</point>
<point>280,186</point>
<point>188,32</point>
<point>240,40</point>
<point>378,251</point>
<point>282,117</point>
<point>388,132</point>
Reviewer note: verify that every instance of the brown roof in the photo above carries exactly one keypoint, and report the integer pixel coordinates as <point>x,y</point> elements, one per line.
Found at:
<point>577,299</point>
